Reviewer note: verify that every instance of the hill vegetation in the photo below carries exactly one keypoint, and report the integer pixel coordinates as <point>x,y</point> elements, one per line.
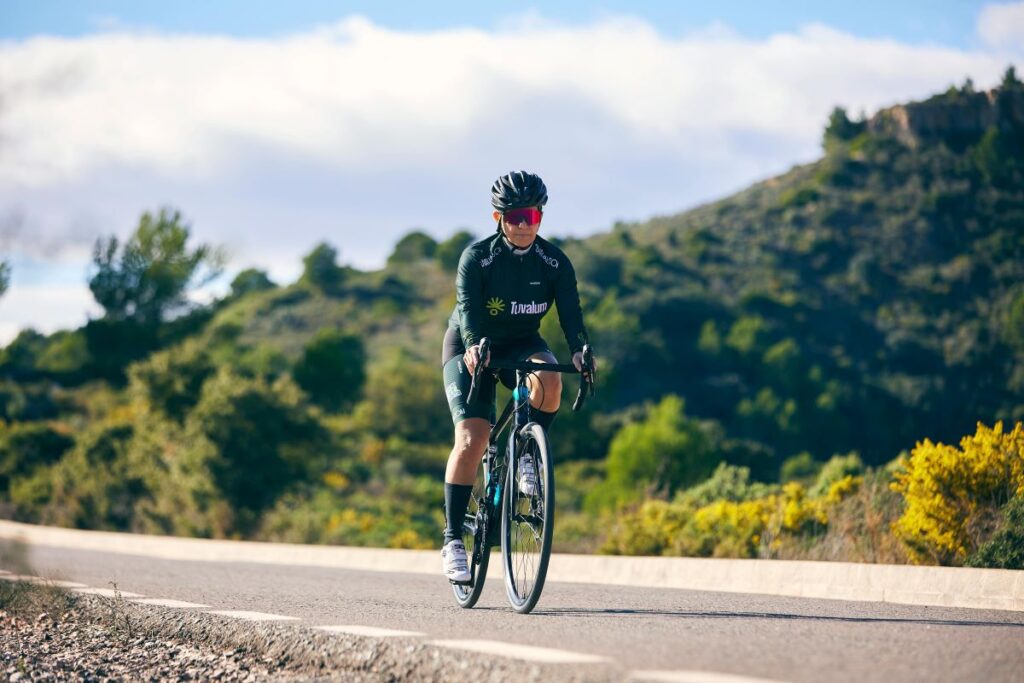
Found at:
<point>766,359</point>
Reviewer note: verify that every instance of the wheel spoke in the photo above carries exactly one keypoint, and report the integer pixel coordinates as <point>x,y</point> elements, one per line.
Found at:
<point>526,540</point>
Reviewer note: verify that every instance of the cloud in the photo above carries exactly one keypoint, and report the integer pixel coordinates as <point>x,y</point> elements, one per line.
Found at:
<point>356,133</point>
<point>357,95</point>
<point>45,308</point>
<point>1002,26</point>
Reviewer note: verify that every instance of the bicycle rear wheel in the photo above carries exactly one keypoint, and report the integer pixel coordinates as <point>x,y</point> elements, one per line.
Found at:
<point>474,536</point>
<point>527,522</point>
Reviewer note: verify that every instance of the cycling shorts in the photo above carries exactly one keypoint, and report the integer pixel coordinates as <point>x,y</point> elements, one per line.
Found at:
<point>457,377</point>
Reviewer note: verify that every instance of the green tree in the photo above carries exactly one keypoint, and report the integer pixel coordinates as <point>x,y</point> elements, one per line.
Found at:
<point>24,447</point>
<point>332,369</point>
<point>18,359</point>
<point>170,382</point>
<point>449,251</point>
<point>841,128</point>
<point>801,466</point>
<point>5,276</point>
<point>147,280</point>
<point>97,484</point>
<point>250,280</point>
<point>321,270</point>
<point>403,398</point>
<point>413,247</point>
<point>663,453</point>
<point>1010,80</point>
<point>249,440</point>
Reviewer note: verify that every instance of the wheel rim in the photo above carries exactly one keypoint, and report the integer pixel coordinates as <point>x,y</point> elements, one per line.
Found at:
<point>526,523</point>
<point>472,536</point>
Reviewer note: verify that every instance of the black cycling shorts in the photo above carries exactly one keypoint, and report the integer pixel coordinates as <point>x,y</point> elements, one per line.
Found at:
<point>457,378</point>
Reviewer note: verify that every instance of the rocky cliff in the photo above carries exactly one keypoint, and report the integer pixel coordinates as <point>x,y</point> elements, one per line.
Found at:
<point>955,114</point>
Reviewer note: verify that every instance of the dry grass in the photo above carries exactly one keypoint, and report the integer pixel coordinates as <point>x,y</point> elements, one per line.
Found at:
<point>859,529</point>
<point>28,599</point>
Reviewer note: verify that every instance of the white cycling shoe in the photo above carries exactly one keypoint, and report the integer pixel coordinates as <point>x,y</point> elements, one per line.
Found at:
<point>454,562</point>
<point>527,476</point>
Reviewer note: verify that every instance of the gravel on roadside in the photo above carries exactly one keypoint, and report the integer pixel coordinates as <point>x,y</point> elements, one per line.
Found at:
<point>47,634</point>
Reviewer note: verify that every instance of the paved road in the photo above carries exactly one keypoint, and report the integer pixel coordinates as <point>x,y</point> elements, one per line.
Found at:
<point>787,639</point>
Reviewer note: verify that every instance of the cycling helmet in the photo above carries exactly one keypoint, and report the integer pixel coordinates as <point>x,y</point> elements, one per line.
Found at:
<point>518,190</point>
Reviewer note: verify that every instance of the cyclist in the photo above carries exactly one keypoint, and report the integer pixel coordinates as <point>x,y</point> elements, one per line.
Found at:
<point>505,285</point>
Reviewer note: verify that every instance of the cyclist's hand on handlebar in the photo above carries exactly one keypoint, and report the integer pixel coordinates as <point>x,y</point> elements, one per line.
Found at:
<point>472,357</point>
<point>577,360</point>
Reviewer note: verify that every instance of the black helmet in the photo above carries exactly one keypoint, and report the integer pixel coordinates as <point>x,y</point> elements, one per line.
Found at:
<point>518,190</point>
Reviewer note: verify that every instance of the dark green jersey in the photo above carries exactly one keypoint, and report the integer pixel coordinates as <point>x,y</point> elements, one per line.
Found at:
<point>503,295</point>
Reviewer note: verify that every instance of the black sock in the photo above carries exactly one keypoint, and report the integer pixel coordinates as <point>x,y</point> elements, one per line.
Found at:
<point>456,501</point>
<point>543,419</point>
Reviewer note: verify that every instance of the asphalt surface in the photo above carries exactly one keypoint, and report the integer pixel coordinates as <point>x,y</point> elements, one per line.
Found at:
<point>781,638</point>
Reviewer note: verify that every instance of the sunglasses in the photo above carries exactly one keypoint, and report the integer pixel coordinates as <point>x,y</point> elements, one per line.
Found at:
<point>530,216</point>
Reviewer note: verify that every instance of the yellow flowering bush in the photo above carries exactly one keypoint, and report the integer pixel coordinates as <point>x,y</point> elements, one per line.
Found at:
<point>726,529</point>
<point>648,530</point>
<point>800,513</point>
<point>720,528</point>
<point>953,496</point>
<point>840,490</point>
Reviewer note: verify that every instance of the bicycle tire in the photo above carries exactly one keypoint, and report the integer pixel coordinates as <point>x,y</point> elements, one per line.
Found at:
<point>524,519</point>
<point>468,594</point>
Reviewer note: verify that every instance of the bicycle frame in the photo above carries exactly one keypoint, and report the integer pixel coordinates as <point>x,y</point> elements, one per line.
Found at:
<point>488,526</point>
<point>517,414</point>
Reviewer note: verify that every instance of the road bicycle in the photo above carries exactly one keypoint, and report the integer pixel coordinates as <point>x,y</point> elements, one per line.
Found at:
<point>499,513</point>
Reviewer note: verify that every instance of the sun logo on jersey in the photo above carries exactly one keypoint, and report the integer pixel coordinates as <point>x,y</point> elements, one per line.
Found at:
<point>495,306</point>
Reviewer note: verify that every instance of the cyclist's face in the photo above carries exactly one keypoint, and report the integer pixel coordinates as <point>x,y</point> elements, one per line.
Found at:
<point>521,235</point>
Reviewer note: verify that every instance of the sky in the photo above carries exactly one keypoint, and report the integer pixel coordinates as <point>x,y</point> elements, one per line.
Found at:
<point>273,127</point>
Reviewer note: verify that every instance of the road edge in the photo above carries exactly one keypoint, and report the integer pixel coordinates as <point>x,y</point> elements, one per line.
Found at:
<point>1001,589</point>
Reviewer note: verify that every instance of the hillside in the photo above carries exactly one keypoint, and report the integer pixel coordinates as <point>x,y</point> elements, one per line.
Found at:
<point>853,305</point>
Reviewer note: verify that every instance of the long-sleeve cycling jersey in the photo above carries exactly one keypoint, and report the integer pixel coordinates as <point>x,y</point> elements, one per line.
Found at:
<point>503,295</point>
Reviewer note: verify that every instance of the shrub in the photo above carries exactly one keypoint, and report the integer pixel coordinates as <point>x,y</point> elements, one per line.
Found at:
<point>952,496</point>
<point>250,280</point>
<point>331,369</point>
<point>321,270</point>
<point>96,485</point>
<point>728,482</point>
<point>838,468</point>
<point>403,398</point>
<point>726,529</point>
<point>450,251</point>
<point>650,530</point>
<point>664,452</point>
<point>170,382</point>
<point>1005,550</point>
<point>27,446</point>
<point>800,466</point>
<point>414,246</point>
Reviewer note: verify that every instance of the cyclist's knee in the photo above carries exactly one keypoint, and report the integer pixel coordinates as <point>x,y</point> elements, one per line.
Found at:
<point>546,389</point>
<point>471,437</point>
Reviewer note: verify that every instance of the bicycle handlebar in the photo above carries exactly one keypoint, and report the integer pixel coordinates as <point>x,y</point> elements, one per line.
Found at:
<point>587,378</point>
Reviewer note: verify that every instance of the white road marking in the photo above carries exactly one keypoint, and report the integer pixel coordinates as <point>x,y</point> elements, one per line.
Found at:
<point>59,584</point>
<point>166,602</point>
<point>107,592</point>
<point>527,652</point>
<point>41,580</point>
<point>371,631</point>
<point>695,677</point>
<point>252,616</point>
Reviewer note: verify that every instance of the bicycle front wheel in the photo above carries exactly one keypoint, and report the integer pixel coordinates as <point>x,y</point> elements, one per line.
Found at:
<point>527,521</point>
<point>474,536</point>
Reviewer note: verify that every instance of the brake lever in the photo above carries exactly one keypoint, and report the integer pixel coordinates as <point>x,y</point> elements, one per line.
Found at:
<point>485,350</point>
<point>587,378</point>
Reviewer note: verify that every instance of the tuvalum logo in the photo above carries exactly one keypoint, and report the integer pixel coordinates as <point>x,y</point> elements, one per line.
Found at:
<point>532,308</point>
<point>495,305</point>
